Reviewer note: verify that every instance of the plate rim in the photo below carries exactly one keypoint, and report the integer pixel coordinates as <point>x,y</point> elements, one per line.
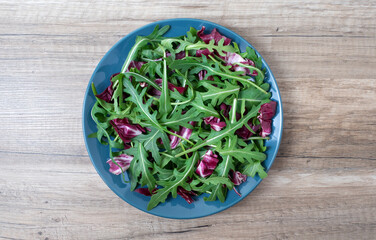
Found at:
<point>166,21</point>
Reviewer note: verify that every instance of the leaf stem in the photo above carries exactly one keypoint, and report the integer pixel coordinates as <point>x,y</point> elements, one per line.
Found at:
<point>258,138</point>
<point>182,146</point>
<point>176,135</point>
<point>167,155</point>
<point>252,68</point>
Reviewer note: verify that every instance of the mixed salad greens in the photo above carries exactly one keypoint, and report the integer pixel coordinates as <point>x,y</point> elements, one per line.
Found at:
<point>186,116</point>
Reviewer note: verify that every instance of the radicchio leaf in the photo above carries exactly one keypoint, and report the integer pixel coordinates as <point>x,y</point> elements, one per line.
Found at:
<point>135,64</point>
<point>145,191</point>
<point>232,58</point>
<point>213,35</point>
<point>186,195</point>
<point>106,95</point>
<point>171,86</point>
<point>267,111</point>
<point>126,130</point>
<point>244,133</point>
<point>123,160</point>
<point>237,177</point>
<point>215,123</point>
<point>184,132</point>
<point>205,52</point>
<point>207,164</point>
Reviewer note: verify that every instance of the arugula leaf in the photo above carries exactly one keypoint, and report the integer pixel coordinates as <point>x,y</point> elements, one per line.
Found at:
<point>218,95</point>
<point>211,46</point>
<point>207,110</point>
<point>108,106</point>
<point>227,164</point>
<point>164,100</point>
<point>149,141</point>
<point>141,78</point>
<point>253,168</point>
<point>136,98</point>
<point>253,97</point>
<point>171,186</point>
<point>252,55</point>
<point>212,69</point>
<point>140,166</point>
<point>188,45</point>
<point>242,154</point>
<point>218,136</point>
<point>178,119</point>
<point>142,41</point>
<point>213,180</point>
<point>117,96</point>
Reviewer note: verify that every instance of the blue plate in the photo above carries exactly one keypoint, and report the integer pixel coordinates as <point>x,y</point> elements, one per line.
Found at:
<point>173,208</point>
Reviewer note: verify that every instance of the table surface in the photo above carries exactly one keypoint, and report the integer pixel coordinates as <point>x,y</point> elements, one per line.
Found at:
<point>322,184</point>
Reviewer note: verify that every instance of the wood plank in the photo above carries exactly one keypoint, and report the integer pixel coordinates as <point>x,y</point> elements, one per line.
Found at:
<point>321,186</point>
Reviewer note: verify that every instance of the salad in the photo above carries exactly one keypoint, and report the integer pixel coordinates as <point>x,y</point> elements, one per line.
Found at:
<point>185,116</point>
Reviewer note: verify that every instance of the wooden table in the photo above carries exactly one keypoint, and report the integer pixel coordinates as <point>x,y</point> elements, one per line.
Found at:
<point>322,184</point>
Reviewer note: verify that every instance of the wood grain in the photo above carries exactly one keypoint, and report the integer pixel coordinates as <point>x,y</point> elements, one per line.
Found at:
<point>321,186</point>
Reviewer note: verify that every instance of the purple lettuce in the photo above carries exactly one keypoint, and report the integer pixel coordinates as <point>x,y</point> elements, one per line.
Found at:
<point>215,123</point>
<point>267,112</point>
<point>135,64</point>
<point>244,133</point>
<point>186,195</point>
<point>123,160</point>
<point>126,130</point>
<point>237,177</point>
<point>171,86</point>
<point>232,58</point>
<point>184,132</point>
<point>179,55</point>
<point>204,52</point>
<point>106,95</point>
<point>226,111</point>
<point>202,74</point>
<point>207,164</point>
<point>145,191</point>
<point>213,35</point>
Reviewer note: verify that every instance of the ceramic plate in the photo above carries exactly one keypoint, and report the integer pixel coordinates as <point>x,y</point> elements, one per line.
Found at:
<point>176,208</point>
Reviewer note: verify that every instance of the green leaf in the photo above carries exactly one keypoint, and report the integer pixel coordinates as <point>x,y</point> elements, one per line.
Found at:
<point>108,106</point>
<point>218,136</point>
<point>212,69</point>
<point>242,154</point>
<point>171,186</point>
<point>178,119</point>
<point>92,135</point>
<point>164,100</point>
<point>141,78</point>
<point>207,110</point>
<point>227,164</point>
<point>253,97</point>
<point>252,55</point>
<point>142,41</point>
<point>169,45</point>
<point>260,145</point>
<point>149,141</point>
<point>211,46</point>
<point>218,95</point>
<point>214,180</point>
<point>140,166</point>
<point>142,108</point>
<point>253,168</point>
<point>117,96</point>
<point>192,35</point>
